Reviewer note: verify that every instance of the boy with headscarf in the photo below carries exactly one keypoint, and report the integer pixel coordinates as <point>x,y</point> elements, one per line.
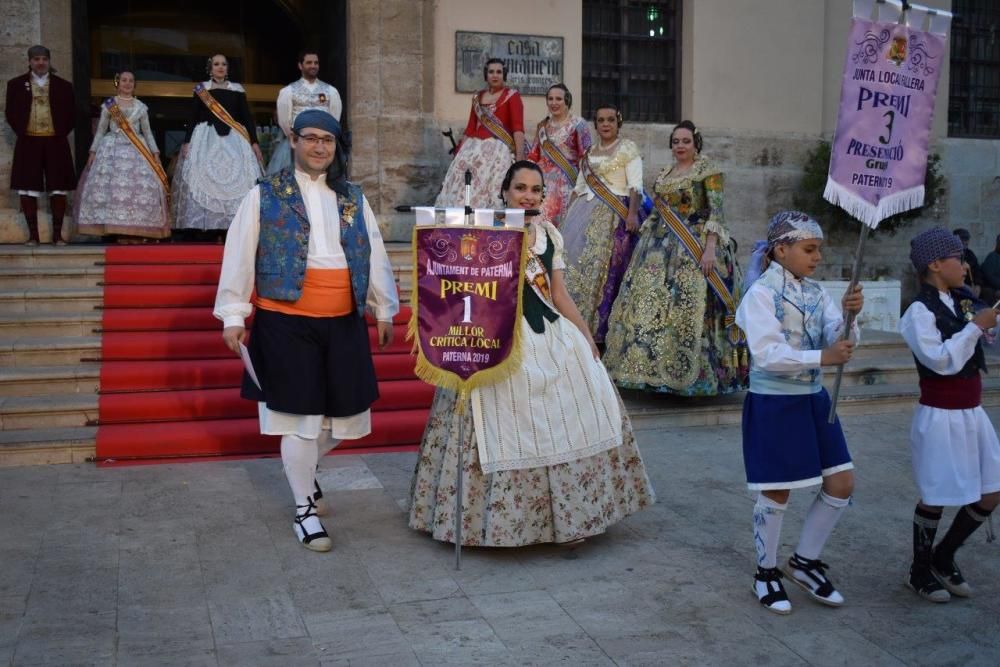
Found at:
<point>793,328</point>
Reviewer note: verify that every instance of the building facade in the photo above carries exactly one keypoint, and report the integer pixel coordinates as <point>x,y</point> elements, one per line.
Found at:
<point>761,79</point>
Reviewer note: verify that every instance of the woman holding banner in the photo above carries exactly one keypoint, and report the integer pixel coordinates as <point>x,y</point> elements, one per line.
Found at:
<point>494,137</point>
<point>575,469</point>
<point>220,159</point>
<point>560,142</point>
<point>601,226</point>
<point>672,327</point>
<point>123,189</point>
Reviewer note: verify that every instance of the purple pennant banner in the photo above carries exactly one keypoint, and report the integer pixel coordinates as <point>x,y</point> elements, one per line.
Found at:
<point>467,296</point>
<point>879,156</point>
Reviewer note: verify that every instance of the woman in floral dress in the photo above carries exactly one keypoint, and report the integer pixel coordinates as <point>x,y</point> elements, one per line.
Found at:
<point>601,227</point>
<point>671,330</point>
<point>592,475</point>
<point>561,140</point>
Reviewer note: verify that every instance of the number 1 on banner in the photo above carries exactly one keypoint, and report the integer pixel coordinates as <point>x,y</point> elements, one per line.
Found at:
<point>467,317</point>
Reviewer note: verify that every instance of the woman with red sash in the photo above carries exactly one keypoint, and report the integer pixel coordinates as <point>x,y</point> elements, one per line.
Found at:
<point>220,159</point>
<point>560,142</point>
<point>494,139</point>
<point>673,326</point>
<point>123,189</point>
<point>601,226</point>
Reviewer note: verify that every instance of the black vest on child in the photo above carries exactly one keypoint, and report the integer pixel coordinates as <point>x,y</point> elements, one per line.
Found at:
<point>949,324</point>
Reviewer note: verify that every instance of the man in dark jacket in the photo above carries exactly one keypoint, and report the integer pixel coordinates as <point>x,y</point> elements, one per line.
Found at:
<point>40,110</point>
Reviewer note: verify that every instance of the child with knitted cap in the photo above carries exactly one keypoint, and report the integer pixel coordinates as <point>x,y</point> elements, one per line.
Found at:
<point>956,454</point>
<point>793,328</point>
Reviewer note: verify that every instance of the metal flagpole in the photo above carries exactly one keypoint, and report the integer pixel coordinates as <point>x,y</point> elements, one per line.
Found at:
<point>461,415</point>
<point>849,320</point>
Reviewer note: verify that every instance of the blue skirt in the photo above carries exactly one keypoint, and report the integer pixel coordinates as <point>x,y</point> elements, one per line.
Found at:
<point>788,442</point>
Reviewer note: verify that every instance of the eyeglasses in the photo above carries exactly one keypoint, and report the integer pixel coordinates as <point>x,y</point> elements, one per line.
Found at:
<point>313,140</point>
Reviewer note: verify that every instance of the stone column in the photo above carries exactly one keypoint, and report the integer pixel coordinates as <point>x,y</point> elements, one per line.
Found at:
<point>398,149</point>
<point>28,22</point>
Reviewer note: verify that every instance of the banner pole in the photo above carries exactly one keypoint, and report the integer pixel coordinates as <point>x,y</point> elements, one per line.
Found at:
<point>849,319</point>
<point>461,416</point>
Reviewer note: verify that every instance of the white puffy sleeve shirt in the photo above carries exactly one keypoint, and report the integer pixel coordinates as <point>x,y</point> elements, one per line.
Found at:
<point>236,282</point>
<point>918,327</point>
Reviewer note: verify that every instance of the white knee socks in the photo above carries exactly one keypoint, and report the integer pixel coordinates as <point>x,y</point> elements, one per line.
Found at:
<point>298,456</point>
<point>325,443</point>
<point>767,517</point>
<point>820,522</point>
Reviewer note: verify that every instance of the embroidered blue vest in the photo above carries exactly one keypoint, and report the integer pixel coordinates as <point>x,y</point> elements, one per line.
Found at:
<point>284,240</point>
<point>798,306</point>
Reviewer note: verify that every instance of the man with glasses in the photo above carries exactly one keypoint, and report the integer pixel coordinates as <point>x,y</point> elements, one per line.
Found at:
<point>308,240</point>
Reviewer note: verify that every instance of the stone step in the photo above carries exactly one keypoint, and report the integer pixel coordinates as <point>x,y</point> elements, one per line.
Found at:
<point>50,300</point>
<point>42,446</point>
<point>20,325</point>
<point>48,350</point>
<point>46,380</point>
<point>52,410</point>
<point>51,277</point>
<point>649,412</point>
<point>45,256</point>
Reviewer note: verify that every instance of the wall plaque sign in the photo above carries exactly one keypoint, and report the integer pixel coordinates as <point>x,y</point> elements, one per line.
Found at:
<point>534,62</point>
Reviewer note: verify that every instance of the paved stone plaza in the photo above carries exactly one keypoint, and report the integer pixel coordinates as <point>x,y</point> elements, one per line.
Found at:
<point>196,564</point>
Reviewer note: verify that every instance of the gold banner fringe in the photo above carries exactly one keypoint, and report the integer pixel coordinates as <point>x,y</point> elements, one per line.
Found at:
<point>439,377</point>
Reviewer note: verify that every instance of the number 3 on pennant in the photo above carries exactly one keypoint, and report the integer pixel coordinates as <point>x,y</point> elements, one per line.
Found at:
<point>467,317</point>
<point>888,126</point>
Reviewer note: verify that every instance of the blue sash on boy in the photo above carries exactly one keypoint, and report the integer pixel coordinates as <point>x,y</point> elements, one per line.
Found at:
<point>798,306</point>
<point>284,240</point>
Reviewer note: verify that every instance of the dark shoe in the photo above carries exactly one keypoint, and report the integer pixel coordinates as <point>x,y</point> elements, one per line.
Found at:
<point>923,582</point>
<point>951,578</point>
<point>322,508</point>
<point>769,591</point>
<point>810,575</point>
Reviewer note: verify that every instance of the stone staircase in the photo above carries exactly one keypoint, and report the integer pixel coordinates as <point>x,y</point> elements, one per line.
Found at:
<point>50,344</point>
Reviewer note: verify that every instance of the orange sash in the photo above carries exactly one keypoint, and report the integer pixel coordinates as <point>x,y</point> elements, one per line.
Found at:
<point>118,116</point>
<point>325,293</point>
<point>559,158</point>
<point>492,123</point>
<point>219,111</point>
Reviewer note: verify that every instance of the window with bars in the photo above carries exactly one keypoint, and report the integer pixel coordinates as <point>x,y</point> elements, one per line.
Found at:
<point>631,57</point>
<point>974,82</point>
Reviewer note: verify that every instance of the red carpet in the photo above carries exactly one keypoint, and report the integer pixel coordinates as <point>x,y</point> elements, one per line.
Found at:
<point>168,386</point>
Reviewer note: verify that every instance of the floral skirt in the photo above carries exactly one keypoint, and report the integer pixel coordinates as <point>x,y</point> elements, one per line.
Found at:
<point>512,508</point>
<point>668,331</point>
<point>488,160</point>
<point>558,189</point>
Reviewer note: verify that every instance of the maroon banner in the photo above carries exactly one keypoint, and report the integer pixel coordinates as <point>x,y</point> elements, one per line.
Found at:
<point>467,295</point>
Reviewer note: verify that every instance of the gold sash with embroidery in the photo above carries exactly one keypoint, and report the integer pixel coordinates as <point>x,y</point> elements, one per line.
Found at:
<point>492,123</point>
<point>602,190</point>
<point>551,151</point>
<point>118,116</point>
<point>219,111</point>
<point>692,245</point>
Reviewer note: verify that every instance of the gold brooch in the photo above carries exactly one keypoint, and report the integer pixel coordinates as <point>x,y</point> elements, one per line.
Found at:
<point>347,215</point>
<point>288,190</point>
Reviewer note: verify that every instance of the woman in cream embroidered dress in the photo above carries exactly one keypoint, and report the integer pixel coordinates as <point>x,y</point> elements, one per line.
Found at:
<point>119,192</point>
<point>669,331</point>
<point>571,137</point>
<point>217,166</point>
<point>599,241</point>
<point>585,483</point>
<point>480,152</point>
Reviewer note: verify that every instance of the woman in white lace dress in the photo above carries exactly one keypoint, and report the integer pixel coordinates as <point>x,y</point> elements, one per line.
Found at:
<point>123,189</point>
<point>220,160</point>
